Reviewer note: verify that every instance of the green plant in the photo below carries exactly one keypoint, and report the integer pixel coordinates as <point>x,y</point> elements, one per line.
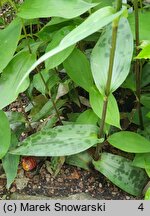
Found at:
<point>89,47</point>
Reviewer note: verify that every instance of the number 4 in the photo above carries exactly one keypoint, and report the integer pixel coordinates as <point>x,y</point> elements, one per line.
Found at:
<point>141,207</point>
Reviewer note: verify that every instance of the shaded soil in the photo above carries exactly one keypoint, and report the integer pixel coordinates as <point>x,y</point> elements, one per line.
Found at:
<point>70,180</point>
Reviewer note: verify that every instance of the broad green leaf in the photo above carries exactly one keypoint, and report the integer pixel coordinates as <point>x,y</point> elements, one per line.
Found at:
<point>59,141</point>
<point>38,82</point>
<point>120,171</point>
<point>145,75</point>
<point>97,100</point>
<point>80,72</point>
<point>17,122</point>
<point>10,80</point>
<point>144,17</point>
<point>145,100</point>
<point>10,163</point>
<point>9,38</point>
<point>122,60</point>
<point>82,160</point>
<point>145,53</point>
<point>142,160</point>
<point>61,56</point>
<point>55,24</point>
<point>130,82</point>
<point>147,194</point>
<point>51,8</point>
<point>146,132</point>
<point>135,118</point>
<point>87,117</point>
<point>92,24</point>
<point>5,134</point>
<point>129,142</point>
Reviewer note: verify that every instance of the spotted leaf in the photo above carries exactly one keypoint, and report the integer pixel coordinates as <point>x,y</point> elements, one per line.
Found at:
<point>59,141</point>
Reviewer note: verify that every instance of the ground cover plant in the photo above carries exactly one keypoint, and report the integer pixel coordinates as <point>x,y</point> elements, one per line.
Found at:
<point>75,62</point>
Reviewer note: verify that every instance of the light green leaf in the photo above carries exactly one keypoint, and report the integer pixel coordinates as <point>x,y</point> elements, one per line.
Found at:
<point>11,162</point>
<point>59,141</point>
<point>9,38</point>
<point>82,160</point>
<point>61,56</point>
<point>92,24</point>
<point>142,160</point>
<point>120,171</point>
<point>80,72</point>
<point>122,60</point>
<point>129,142</point>
<point>87,117</point>
<point>97,100</point>
<point>51,8</point>
<point>144,17</point>
<point>5,134</point>
<point>147,194</point>
<point>145,53</point>
<point>10,80</point>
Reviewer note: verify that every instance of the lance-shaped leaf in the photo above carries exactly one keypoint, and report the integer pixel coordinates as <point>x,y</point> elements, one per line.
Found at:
<point>112,114</point>
<point>11,77</point>
<point>80,72</point>
<point>51,8</point>
<point>59,141</point>
<point>9,38</point>
<point>10,163</point>
<point>145,53</point>
<point>122,60</point>
<point>129,142</point>
<point>120,171</point>
<point>144,17</point>
<point>92,24</point>
<point>5,134</point>
<point>82,160</point>
<point>60,57</point>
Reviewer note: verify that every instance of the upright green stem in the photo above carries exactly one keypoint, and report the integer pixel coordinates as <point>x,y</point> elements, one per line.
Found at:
<point>109,77</point>
<point>138,66</point>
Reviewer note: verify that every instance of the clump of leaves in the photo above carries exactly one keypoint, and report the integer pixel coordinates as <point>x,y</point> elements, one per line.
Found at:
<point>69,64</point>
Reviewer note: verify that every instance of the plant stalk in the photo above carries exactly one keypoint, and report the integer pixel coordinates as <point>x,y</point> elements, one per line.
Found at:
<point>138,65</point>
<point>49,93</point>
<point>109,78</point>
<point>30,51</point>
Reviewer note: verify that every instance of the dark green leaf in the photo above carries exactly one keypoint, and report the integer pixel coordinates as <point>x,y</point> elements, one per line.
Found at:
<point>80,72</point>
<point>81,160</point>
<point>120,171</point>
<point>11,162</point>
<point>5,134</point>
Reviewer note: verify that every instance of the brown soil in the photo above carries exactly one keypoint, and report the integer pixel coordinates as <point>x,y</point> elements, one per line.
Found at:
<point>70,180</point>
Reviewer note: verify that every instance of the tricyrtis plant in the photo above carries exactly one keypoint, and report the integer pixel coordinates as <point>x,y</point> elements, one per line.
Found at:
<point>69,59</point>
